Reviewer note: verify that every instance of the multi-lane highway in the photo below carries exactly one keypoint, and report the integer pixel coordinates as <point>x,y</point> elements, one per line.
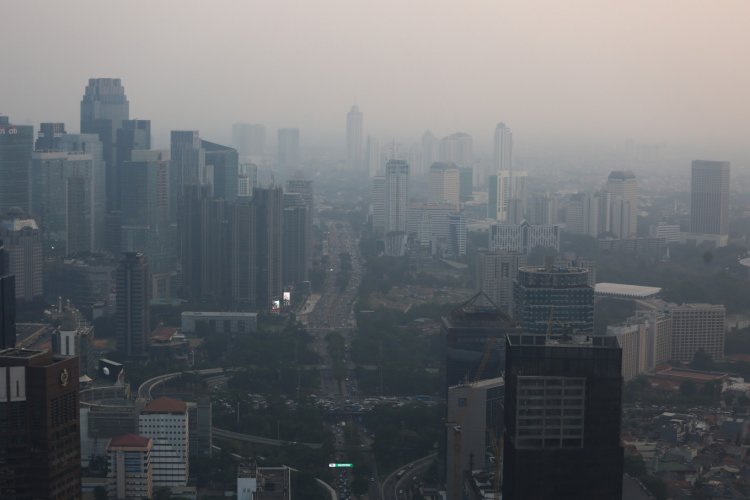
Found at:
<point>398,484</point>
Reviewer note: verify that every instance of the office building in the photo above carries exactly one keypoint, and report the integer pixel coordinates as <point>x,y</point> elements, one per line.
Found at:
<point>428,223</point>
<point>187,167</point>
<point>396,206</point>
<point>582,214</point>
<point>249,139</point>
<point>23,244</point>
<point>374,157</point>
<point>89,144</point>
<point>134,135</point>
<point>16,144</point>
<point>165,422</point>
<point>377,204</point>
<point>354,139</point>
<point>475,425</point>
<point>444,184</point>
<point>104,108</point>
<point>263,483</point>
<point>466,183</point>
<point>74,337</point>
<point>7,301</point>
<point>223,163</point>
<point>554,300</point>
<point>130,472</point>
<point>61,199</point>
<point>295,259</point>
<point>269,252</point>
<point>133,291</point>
<point>248,179</point>
<point>563,403</point>
<point>48,137</point>
<point>496,272</point>
<point>430,151</point>
<point>709,197</point>
<point>40,455</point>
<point>456,235</point>
<point>457,148</point>
<point>502,158</point>
<point>523,237</point>
<point>304,188</point>
<point>623,190</point>
<point>472,329</point>
<point>243,253</point>
<point>697,327</point>
<point>288,148</point>
<point>506,196</point>
<point>200,423</point>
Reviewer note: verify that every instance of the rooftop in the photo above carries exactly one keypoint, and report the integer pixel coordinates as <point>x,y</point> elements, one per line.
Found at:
<point>130,441</point>
<point>625,291</point>
<point>165,405</point>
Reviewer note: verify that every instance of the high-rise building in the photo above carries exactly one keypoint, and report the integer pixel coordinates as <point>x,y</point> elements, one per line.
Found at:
<point>582,214</point>
<point>48,136</point>
<point>295,266</point>
<point>269,252</point>
<point>476,410</point>
<point>354,139</point>
<point>243,252</point>
<point>430,152</point>
<point>40,455</point>
<point>709,197</point>
<point>187,167</point>
<point>378,204</point>
<point>457,148</point>
<point>165,422</point>
<point>16,145</point>
<point>542,209</point>
<point>23,244</point>
<point>61,198</point>
<point>7,302</point>
<point>89,144</point>
<point>496,272</point>
<point>443,186</point>
<point>223,163</point>
<point>506,197</point>
<point>396,206</point>
<point>104,108</point>
<point>288,148</point>
<point>623,189</point>
<point>145,207</point>
<point>132,289</point>
<point>466,183</point>
<point>250,141</point>
<point>304,188</point>
<point>134,135</point>
<point>503,152</point>
<point>563,403</point>
<point>523,237</point>
<point>374,156</point>
<point>554,300</point>
<point>130,472</point>
<point>697,327</point>
<point>456,235</point>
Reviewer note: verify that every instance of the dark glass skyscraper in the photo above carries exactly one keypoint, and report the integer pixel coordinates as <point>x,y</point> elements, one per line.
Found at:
<point>132,288</point>
<point>16,144</point>
<point>134,135</point>
<point>563,398</point>
<point>224,164</point>
<point>268,235</point>
<point>48,138</point>
<point>104,108</point>
<point>7,302</point>
<point>709,197</point>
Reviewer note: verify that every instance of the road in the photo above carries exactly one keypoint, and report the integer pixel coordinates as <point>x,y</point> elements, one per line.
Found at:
<point>397,487</point>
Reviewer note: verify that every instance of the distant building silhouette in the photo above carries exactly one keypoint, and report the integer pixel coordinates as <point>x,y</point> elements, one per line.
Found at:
<point>502,158</point>
<point>16,144</point>
<point>354,139</point>
<point>396,206</point>
<point>7,302</point>
<point>132,289</point>
<point>288,148</point>
<point>709,197</point>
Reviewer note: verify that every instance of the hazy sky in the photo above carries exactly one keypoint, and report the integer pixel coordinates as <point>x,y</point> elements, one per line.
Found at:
<point>556,71</point>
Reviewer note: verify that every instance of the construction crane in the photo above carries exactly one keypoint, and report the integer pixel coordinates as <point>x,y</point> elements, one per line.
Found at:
<point>455,492</point>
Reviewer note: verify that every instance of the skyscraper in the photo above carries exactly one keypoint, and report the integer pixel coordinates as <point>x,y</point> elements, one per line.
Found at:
<point>709,197</point>
<point>48,136</point>
<point>132,136</point>
<point>104,108</point>
<point>7,302</point>
<point>396,206</point>
<point>188,166</point>
<point>223,162</point>
<point>23,244</point>
<point>250,141</point>
<point>268,235</point>
<point>132,288</point>
<point>623,190</point>
<point>374,161</point>
<point>430,151</point>
<point>304,188</point>
<point>457,148</point>
<point>40,455</point>
<point>507,196</point>
<point>563,401</point>
<point>377,203</point>
<point>443,184</point>
<point>295,244</point>
<point>555,300</point>
<point>16,144</point>
<point>502,158</point>
<point>354,139</point>
<point>243,252</point>
<point>698,327</point>
<point>496,272</point>
<point>288,148</point>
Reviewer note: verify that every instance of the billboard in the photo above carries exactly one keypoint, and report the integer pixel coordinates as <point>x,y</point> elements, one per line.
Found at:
<point>287,299</point>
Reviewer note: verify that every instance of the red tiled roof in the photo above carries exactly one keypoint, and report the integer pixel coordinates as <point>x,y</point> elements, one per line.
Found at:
<point>163,333</point>
<point>129,441</point>
<point>165,405</point>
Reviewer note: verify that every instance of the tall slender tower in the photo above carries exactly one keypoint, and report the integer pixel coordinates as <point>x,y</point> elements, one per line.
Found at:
<point>709,197</point>
<point>132,287</point>
<point>503,152</point>
<point>396,206</point>
<point>7,302</point>
<point>354,139</point>
<point>623,190</point>
<point>16,144</point>
<point>104,108</point>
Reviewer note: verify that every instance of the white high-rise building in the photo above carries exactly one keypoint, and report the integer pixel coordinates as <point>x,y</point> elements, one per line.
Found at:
<point>396,206</point>
<point>165,421</point>
<point>623,190</point>
<point>457,148</point>
<point>698,327</point>
<point>378,204</point>
<point>354,139</point>
<point>503,152</point>
<point>507,196</point>
<point>444,184</point>
<point>374,156</point>
<point>523,237</point>
<point>582,214</point>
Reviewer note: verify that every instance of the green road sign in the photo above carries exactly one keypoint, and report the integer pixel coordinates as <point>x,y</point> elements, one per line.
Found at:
<point>348,466</point>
